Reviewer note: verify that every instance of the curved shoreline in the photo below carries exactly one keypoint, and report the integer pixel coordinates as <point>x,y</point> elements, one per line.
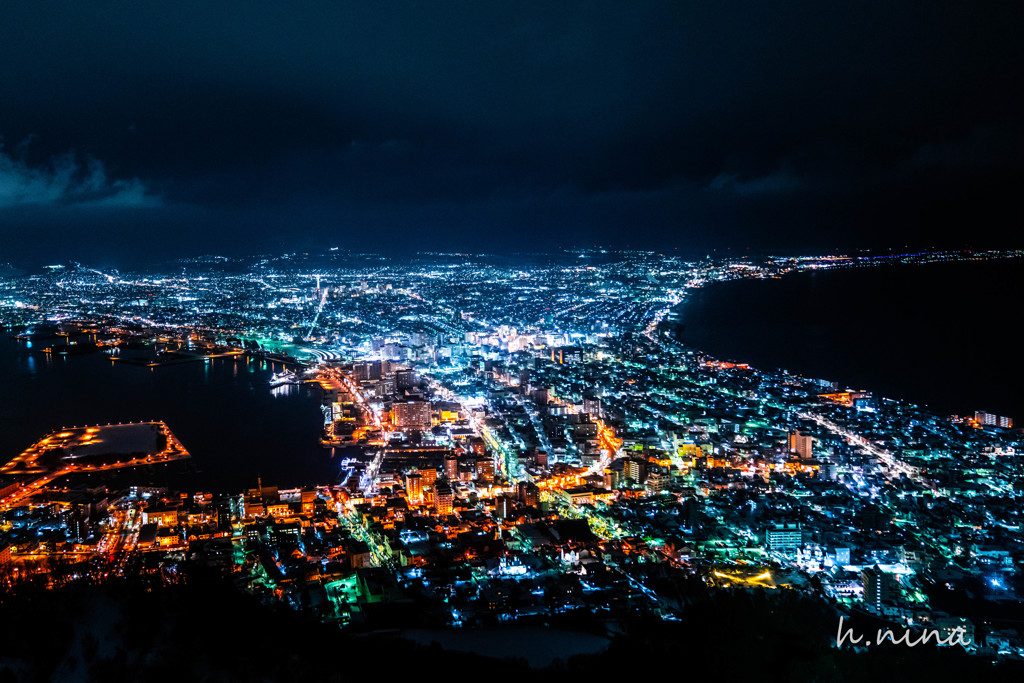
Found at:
<point>892,363</point>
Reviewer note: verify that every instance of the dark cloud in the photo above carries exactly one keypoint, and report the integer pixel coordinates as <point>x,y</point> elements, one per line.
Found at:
<point>652,123</point>
<point>66,182</point>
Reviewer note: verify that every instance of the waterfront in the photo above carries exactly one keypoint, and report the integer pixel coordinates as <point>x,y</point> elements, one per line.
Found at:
<point>628,478</point>
<point>937,334</point>
<point>223,411</point>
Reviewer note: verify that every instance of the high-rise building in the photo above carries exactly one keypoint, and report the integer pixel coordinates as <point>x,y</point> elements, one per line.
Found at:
<point>541,458</point>
<point>528,493</point>
<point>443,498</point>
<point>367,371</point>
<point>634,469</point>
<point>485,469</point>
<point>784,538</point>
<point>524,382</point>
<point>414,487</point>
<point>429,475</point>
<point>307,499</point>
<point>503,506</point>
<point>451,467</point>
<point>412,415</point>
<point>983,419</point>
<point>567,354</point>
<point>801,445</point>
<point>878,586</point>
<point>657,479</point>
<point>405,379</point>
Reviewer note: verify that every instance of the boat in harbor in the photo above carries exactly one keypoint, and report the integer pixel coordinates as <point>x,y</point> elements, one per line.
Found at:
<point>286,377</point>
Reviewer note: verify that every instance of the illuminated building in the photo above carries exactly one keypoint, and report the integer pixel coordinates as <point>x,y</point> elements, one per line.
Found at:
<point>983,419</point>
<point>308,501</point>
<point>254,506</point>
<point>503,506</point>
<point>414,487</point>
<point>657,479</point>
<point>567,354</point>
<point>541,458</point>
<point>879,586</point>
<point>528,493</point>
<point>451,467</point>
<point>443,498</point>
<point>524,382</point>
<point>784,538</point>
<point>485,469</point>
<point>405,379</point>
<point>160,516</point>
<point>367,371</point>
<point>412,415</point>
<point>853,399</point>
<point>801,445</point>
<point>429,475</point>
<point>634,469</point>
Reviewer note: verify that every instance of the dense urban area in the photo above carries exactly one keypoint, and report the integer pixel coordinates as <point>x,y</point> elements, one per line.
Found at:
<point>524,441</point>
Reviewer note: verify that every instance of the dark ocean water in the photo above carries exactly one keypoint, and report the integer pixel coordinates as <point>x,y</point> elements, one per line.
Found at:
<point>224,412</point>
<point>942,335</point>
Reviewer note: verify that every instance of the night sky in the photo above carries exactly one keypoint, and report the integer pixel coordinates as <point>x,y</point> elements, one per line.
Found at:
<point>138,131</point>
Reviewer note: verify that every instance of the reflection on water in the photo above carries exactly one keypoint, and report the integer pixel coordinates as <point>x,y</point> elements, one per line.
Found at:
<point>224,412</point>
<point>284,390</point>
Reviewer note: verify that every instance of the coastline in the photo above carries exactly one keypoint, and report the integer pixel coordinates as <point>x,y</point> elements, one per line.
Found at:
<point>919,363</point>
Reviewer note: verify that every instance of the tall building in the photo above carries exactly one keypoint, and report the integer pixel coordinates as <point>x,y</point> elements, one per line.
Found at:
<point>451,466</point>
<point>784,538</point>
<point>542,458</point>
<point>414,487</point>
<point>429,475</point>
<point>405,379</point>
<point>983,419</point>
<point>567,354</point>
<point>528,493</point>
<point>503,506</point>
<point>307,498</point>
<point>443,498</point>
<point>657,479</point>
<point>592,406</point>
<point>878,586</point>
<point>485,469</point>
<point>634,469</point>
<point>412,415</point>
<point>367,371</point>
<point>801,445</point>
